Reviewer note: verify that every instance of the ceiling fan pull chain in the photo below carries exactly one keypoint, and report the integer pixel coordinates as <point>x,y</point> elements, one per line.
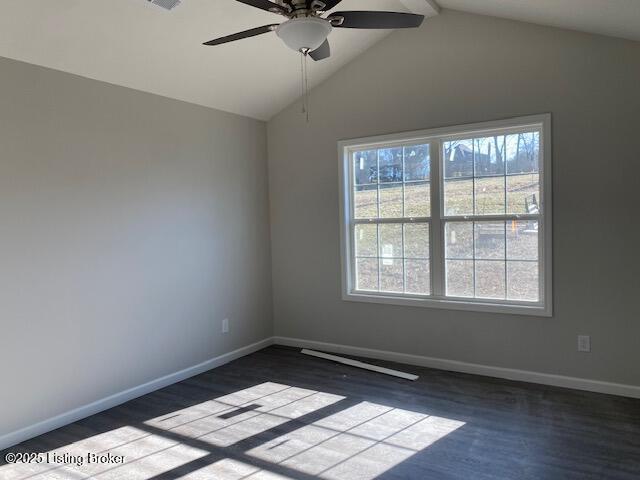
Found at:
<point>306,83</point>
<point>302,80</point>
<point>304,76</point>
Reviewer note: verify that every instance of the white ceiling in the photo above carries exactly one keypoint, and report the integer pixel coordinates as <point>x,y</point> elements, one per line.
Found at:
<point>139,45</point>
<point>617,18</point>
<point>142,46</point>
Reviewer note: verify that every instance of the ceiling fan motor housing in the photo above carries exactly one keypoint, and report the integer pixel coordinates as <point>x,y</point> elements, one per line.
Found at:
<point>166,4</point>
<point>304,33</point>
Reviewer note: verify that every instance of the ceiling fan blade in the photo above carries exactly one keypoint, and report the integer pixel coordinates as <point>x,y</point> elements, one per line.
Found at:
<point>264,5</point>
<point>377,20</point>
<point>322,52</point>
<point>239,36</point>
<point>329,4</point>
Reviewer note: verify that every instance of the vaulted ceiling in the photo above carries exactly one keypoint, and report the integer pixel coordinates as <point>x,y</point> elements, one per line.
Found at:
<point>139,45</point>
<point>616,18</point>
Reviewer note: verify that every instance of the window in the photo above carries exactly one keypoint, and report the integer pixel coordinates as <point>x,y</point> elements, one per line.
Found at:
<point>451,218</point>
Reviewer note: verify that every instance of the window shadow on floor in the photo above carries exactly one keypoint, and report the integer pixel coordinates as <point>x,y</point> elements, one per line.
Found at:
<point>276,414</point>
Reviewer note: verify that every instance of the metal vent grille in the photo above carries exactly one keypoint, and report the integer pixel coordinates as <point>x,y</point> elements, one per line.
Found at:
<point>167,4</point>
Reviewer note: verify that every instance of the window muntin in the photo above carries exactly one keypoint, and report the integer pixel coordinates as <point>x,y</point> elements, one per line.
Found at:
<point>492,260</point>
<point>390,229</point>
<point>481,228</point>
<point>494,175</point>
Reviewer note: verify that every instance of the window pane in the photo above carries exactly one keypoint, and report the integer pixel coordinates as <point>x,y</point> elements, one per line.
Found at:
<point>366,240</point>
<point>488,154</point>
<point>458,173</point>
<point>522,240</point>
<point>522,281</point>
<point>459,278</point>
<point>367,274</point>
<point>489,195</point>
<point>416,240</point>
<point>523,152</point>
<point>366,202</point>
<point>416,163</point>
<point>523,193</point>
<point>417,199</point>
<point>489,240</point>
<point>459,240</point>
<point>391,275</point>
<point>390,240</point>
<point>490,281</point>
<point>365,167</point>
<point>523,182</point>
<point>390,165</point>
<point>391,200</point>
<point>417,274</point>
<point>458,158</point>
<point>458,196</point>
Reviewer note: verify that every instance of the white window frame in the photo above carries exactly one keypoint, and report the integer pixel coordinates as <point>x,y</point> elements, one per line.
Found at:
<point>435,138</point>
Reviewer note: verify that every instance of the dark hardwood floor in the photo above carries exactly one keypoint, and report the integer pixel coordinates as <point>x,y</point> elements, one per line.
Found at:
<point>279,414</point>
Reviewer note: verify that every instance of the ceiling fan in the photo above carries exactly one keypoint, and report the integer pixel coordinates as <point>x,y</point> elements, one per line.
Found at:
<point>306,29</point>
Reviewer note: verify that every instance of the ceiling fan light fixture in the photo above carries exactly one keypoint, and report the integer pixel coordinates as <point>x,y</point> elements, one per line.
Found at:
<point>305,33</point>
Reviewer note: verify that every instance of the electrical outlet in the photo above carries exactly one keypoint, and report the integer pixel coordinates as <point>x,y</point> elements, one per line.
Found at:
<point>584,343</point>
<point>225,325</point>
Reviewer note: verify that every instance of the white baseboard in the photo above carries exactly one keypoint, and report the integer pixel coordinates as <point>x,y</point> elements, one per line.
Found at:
<point>79,413</point>
<point>473,368</point>
<point>66,418</point>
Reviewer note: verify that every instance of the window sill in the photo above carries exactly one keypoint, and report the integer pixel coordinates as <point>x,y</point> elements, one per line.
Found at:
<point>537,310</point>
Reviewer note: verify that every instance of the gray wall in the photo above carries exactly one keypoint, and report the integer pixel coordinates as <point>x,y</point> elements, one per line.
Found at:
<point>130,225</point>
<point>457,69</point>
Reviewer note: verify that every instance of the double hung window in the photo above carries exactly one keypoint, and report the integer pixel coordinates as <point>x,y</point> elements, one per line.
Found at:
<point>452,218</point>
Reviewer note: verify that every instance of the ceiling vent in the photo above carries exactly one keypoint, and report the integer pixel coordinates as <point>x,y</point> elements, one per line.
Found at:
<point>166,4</point>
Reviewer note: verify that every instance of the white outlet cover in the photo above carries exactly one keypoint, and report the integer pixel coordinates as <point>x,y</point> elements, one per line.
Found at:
<point>225,325</point>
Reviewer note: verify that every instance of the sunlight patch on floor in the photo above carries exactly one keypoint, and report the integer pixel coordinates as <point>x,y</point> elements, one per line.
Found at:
<point>269,431</point>
<point>360,442</point>
<point>153,464</point>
